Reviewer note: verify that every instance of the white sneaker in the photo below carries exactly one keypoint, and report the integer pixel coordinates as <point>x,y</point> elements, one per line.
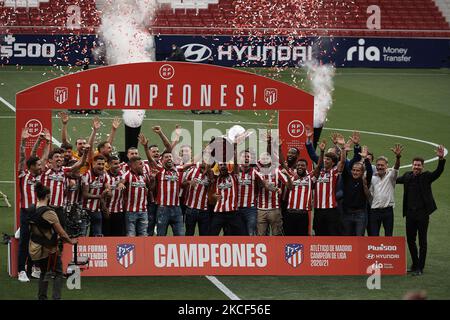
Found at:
<point>35,272</point>
<point>23,277</point>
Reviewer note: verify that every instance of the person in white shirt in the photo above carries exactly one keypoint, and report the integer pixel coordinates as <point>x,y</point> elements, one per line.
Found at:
<point>382,191</point>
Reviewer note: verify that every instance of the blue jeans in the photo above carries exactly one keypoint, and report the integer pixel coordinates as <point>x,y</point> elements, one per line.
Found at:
<point>200,217</point>
<point>151,210</point>
<point>96,223</point>
<point>136,223</point>
<point>249,217</point>
<point>354,223</point>
<point>169,215</point>
<point>383,216</point>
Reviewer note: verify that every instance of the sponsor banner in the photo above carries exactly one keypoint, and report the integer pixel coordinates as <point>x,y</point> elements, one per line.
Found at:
<point>45,49</point>
<point>241,51</point>
<point>293,51</point>
<point>149,256</point>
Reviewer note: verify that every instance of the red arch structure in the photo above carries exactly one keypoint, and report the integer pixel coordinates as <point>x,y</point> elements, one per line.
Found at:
<point>184,86</point>
<point>164,86</point>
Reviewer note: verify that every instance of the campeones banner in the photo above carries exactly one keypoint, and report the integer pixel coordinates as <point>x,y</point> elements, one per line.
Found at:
<point>164,86</point>
<point>152,256</point>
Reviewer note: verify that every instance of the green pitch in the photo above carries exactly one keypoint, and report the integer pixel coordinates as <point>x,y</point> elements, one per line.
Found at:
<point>401,103</point>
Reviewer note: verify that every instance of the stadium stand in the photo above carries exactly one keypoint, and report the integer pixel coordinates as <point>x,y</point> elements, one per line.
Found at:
<point>399,18</point>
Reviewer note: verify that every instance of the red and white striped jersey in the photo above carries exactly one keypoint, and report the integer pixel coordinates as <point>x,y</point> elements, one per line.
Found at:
<point>55,181</point>
<point>135,197</point>
<point>228,188</point>
<point>301,194</point>
<point>27,184</point>
<point>248,187</point>
<point>197,194</point>
<point>97,184</point>
<point>270,199</point>
<point>325,191</point>
<point>284,189</point>
<point>73,191</point>
<point>116,202</point>
<point>168,183</point>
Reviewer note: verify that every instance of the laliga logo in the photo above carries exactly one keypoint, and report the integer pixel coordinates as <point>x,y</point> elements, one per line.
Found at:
<point>196,52</point>
<point>371,53</point>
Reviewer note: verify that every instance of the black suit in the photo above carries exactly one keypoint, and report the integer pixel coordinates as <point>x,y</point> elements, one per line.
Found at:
<point>418,204</point>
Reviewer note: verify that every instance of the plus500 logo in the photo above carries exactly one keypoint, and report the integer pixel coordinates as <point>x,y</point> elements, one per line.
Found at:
<point>29,50</point>
<point>370,53</point>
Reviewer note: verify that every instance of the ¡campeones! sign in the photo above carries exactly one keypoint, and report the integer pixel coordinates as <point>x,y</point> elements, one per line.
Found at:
<point>164,86</point>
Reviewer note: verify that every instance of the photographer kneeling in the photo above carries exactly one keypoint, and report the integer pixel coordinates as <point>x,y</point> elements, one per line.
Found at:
<point>44,231</point>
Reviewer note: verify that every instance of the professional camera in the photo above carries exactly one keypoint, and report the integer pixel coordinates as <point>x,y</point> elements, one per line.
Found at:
<point>77,221</point>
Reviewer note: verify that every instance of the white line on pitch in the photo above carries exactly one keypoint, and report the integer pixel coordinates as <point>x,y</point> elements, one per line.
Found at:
<point>6,103</point>
<point>9,105</point>
<point>223,288</point>
<point>401,137</point>
<point>7,181</point>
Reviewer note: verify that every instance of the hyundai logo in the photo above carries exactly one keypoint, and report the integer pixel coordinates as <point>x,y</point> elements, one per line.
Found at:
<point>196,52</point>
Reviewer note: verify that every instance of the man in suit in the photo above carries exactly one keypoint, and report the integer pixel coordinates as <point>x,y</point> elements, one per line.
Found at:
<point>418,204</point>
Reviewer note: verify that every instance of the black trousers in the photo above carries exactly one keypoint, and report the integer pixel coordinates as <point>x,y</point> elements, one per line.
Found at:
<point>378,217</point>
<point>24,256</point>
<point>198,217</point>
<point>114,225</point>
<point>229,221</point>
<point>417,225</point>
<point>51,269</point>
<point>327,222</point>
<point>296,222</point>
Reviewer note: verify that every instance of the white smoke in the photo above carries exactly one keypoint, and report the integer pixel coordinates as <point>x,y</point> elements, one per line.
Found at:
<point>321,78</point>
<point>124,31</point>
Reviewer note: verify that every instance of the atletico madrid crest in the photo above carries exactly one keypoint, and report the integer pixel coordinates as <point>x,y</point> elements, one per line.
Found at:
<point>125,254</point>
<point>61,94</point>
<point>270,95</point>
<point>293,253</point>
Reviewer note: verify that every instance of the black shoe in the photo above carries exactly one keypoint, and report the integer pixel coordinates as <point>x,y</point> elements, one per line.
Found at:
<point>412,269</point>
<point>418,273</point>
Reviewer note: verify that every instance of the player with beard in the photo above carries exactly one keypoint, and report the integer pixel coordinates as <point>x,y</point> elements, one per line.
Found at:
<point>196,182</point>
<point>326,215</point>
<point>168,181</point>
<point>96,188</point>
<point>28,178</point>
<point>290,166</point>
<point>137,183</point>
<point>296,219</point>
<point>226,195</point>
<point>248,178</point>
<point>418,205</point>
<point>67,155</point>
<point>114,226</point>
<point>54,178</point>
<point>269,212</point>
